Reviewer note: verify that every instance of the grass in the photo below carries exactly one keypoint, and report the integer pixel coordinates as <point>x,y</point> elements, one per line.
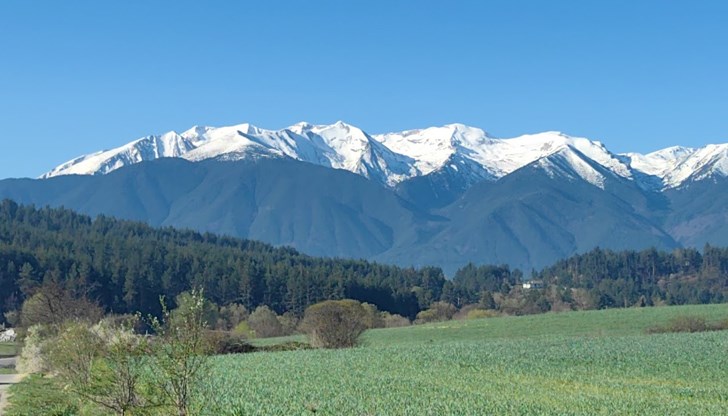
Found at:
<point>9,349</point>
<point>37,395</point>
<point>613,322</point>
<point>579,363</point>
<point>576,363</point>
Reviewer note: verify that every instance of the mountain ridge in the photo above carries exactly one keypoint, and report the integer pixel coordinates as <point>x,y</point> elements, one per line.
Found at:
<point>393,158</point>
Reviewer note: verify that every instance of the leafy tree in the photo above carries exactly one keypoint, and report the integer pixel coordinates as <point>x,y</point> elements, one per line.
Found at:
<point>335,323</point>
<point>180,354</point>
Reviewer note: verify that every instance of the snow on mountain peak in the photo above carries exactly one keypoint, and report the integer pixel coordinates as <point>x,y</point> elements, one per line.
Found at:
<point>569,163</point>
<point>390,158</point>
<point>694,165</point>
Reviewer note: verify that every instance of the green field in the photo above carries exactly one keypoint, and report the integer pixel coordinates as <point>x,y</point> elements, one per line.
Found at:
<point>599,362</point>
<point>8,349</point>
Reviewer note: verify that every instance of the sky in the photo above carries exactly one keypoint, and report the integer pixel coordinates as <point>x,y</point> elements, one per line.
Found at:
<point>81,76</point>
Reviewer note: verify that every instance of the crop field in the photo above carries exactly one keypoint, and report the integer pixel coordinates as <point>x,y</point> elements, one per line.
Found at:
<point>577,363</point>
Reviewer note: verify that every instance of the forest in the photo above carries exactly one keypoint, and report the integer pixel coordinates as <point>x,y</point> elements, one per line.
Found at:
<point>125,266</point>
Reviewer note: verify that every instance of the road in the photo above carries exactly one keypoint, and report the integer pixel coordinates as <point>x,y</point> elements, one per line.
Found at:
<point>8,362</point>
<point>6,380</point>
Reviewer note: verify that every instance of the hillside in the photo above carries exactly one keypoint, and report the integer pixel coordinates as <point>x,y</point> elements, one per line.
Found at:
<point>126,266</point>
<point>440,196</point>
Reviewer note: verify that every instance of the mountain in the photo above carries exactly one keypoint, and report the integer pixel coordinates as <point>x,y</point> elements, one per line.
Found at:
<point>442,196</point>
<point>537,214</point>
<point>453,155</point>
<point>556,206</point>
<point>281,201</point>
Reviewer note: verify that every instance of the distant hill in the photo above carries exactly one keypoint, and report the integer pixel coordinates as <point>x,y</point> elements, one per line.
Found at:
<point>126,266</point>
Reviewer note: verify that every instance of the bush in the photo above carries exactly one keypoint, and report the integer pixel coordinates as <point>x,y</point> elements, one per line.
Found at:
<point>394,320</point>
<point>102,365</point>
<point>335,323</point>
<point>373,317</point>
<point>689,324</point>
<point>439,311</point>
<point>481,313</point>
<point>179,365</point>
<point>265,323</point>
<point>289,323</point>
<point>286,346</point>
<point>226,342</point>
<point>32,358</point>
<point>231,316</point>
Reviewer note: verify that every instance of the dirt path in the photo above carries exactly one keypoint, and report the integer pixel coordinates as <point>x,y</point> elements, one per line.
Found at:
<point>5,381</point>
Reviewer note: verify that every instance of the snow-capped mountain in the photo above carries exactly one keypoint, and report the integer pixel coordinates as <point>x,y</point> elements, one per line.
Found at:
<point>147,148</point>
<point>392,158</point>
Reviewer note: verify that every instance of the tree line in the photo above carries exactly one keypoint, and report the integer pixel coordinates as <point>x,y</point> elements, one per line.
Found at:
<point>125,266</point>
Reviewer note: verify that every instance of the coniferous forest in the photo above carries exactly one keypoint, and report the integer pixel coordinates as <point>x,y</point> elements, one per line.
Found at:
<point>125,266</point>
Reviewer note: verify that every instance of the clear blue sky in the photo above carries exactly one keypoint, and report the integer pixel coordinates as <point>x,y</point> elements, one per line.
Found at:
<point>80,76</point>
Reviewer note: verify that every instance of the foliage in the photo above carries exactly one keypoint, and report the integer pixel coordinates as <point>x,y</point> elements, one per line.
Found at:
<point>32,357</point>
<point>52,304</point>
<point>394,320</point>
<point>438,311</point>
<point>226,342</point>
<point>126,265</point>
<point>689,324</point>
<point>335,323</point>
<point>103,365</point>
<point>264,323</point>
<point>230,316</point>
<point>373,318</point>
<point>180,360</point>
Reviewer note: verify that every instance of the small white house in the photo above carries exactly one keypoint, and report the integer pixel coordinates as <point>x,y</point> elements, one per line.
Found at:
<point>533,284</point>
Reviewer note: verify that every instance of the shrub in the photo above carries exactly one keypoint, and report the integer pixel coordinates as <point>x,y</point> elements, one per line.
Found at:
<point>286,346</point>
<point>289,323</point>
<point>180,363</point>
<point>482,313</point>
<point>372,316</point>
<point>689,324</point>
<point>335,323</point>
<point>226,342</point>
<point>439,311</point>
<point>102,365</point>
<point>243,329</point>
<point>394,320</point>
<point>32,359</point>
<point>265,323</point>
<point>231,316</point>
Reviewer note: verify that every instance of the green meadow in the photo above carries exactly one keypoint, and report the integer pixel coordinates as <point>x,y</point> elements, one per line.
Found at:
<point>596,362</point>
<point>573,363</point>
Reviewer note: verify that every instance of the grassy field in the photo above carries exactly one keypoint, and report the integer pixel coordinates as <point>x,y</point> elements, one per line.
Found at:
<point>8,349</point>
<point>598,362</point>
<point>577,363</point>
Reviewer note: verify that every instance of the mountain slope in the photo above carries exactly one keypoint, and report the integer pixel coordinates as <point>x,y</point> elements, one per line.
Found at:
<point>317,210</point>
<point>539,213</point>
